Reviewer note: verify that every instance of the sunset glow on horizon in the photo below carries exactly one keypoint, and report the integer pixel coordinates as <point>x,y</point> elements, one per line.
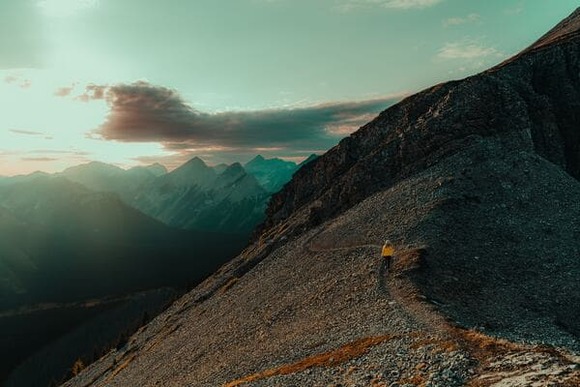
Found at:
<point>136,82</point>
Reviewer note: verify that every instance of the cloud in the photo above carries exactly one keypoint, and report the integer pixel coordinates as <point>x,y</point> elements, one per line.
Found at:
<point>455,21</point>
<point>26,132</point>
<point>515,10</point>
<point>59,152</point>
<point>63,91</point>
<point>393,4</point>
<point>17,80</point>
<point>141,112</point>
<point>43,159</point>
<point>92,93</point>
<point>408,4</point>
<point>466,49</point>
<point>10,79</point>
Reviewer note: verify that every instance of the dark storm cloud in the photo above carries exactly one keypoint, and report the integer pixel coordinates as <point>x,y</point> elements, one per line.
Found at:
<point>141,112</point>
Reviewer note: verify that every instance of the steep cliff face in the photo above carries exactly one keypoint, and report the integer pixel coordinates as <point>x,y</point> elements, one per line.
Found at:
<point>530,102</point>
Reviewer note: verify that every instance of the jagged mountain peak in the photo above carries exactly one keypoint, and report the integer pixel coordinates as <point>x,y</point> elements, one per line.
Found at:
<point>261,162</point>
<point>272,173</point>
<point>195,162</point>
<point>257,158</point>
<point>193,172</point>
<point>156,169</point>
<point>234,169</point>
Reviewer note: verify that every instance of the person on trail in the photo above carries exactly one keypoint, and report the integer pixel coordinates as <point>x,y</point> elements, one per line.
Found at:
<point>387,254</point>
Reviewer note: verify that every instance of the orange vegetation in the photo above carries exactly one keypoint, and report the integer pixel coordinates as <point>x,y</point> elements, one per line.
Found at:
<point>417,380</point>
<point>228,285</point>
<point>346,352</point>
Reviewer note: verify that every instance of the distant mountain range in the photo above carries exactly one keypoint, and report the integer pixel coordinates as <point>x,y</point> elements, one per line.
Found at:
<point>83,232</point>
<point>195,196</point>
<point>97,231</point>
<point>225,198</point>
<point>62,242</point>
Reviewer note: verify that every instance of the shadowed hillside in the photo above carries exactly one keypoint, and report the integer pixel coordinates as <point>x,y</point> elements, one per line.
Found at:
<point>61,245</point>
<point>69,243</point>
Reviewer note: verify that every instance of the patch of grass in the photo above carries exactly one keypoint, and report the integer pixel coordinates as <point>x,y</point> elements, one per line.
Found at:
<point>228,285</point>
<point>482,344</point>
<point>417,380</point>
<point>77,367</point>
<point>328,359</point>
<point>121,367</point>
<point>408,259</point>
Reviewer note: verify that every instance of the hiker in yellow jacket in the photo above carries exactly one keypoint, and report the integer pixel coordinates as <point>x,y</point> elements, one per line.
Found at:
<point>387,253</point>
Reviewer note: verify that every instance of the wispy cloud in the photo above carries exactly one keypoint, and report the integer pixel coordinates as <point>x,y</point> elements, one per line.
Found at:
<point>141,112</point>
<point>26,132</point>
<point>63,91</point>
<point>455,21</point>
<point>92,92</point>
<point>350,5</point>
<point>18,80</point>
<point>41,159</point>
<point>466,49</point>
<point>408,4</point>
<point>59,152</point>
<point>10,79</point>
<point>515,10</point>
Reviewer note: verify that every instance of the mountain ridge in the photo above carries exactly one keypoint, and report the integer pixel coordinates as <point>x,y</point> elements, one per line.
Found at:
<point>475,181</point>
<point>421,110</point>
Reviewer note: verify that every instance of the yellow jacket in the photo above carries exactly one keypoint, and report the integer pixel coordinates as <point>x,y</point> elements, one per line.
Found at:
<point>388,250</point>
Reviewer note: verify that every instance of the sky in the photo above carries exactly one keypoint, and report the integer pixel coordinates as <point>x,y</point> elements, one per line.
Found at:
<point>133,82</point>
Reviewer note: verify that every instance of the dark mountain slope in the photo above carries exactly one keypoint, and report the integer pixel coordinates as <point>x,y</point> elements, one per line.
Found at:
<point>476,183</point>
<point>68,243</point>
<point>530,103</point>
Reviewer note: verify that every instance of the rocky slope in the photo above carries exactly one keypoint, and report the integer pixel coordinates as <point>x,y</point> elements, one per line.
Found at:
<point>477,183</point>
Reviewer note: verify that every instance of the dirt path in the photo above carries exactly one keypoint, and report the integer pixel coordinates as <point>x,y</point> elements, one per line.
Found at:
<point>489,353</point>
<point>393,285</point>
